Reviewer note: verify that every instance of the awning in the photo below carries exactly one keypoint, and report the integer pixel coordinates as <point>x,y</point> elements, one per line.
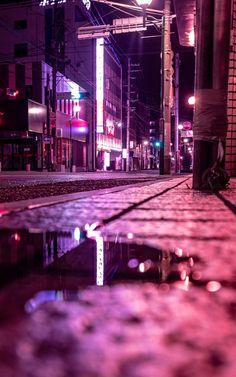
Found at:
<point>184,10</point>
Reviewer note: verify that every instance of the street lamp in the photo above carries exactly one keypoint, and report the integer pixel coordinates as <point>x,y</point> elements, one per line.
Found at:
<point>144,4</point>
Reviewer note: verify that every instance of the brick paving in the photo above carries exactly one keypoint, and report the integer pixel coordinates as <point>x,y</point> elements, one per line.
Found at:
<point>180,329</point>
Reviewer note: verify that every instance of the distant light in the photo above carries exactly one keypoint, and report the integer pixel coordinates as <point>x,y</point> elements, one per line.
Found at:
<point>191,38</point>
<point>179,252</point>
<point>185,140</point>
<point>82,130</point>
<point>124,153</point>
<point>77,108</point>
<point>133,263</point>
<point>130,236</point>
<point>213,286</point>
<point>145,142</point>
<point>191,100</point>
<point>141,267</point>
<point>17,237</point>
<point>180,126</point>
<point>35,110</point>
<point>77,233</point>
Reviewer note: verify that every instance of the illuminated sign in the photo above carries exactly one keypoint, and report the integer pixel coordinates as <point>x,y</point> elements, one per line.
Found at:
<point>44,3</point>
<point>110,128</point>
<point>100,260</point>
<point>87,3</point>
<point>108,143</point>
<point>100,82</point>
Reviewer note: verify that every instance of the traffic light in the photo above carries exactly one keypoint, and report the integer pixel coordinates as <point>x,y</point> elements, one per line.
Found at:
<point>83,95</point>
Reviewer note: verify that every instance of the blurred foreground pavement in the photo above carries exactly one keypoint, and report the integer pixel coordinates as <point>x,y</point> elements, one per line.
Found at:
<point>178,324</point>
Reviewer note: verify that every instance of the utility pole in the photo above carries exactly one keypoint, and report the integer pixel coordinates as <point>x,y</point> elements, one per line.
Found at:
<point>128,119</point>
<point>166,82</point>
<point>176,145</point>
<point>54,45</point>
<point>54,57</point>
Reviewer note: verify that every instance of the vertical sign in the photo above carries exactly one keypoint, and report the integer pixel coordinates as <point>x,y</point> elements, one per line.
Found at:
<point>100,260</point>
<point>100,82</point>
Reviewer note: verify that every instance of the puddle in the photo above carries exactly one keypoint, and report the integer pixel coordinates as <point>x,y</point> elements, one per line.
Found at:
<point>47,266</point>
<point>87,254</point>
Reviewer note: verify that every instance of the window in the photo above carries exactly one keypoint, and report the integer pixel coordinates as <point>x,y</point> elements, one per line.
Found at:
<point>20,24</point>
<point>21,50</point>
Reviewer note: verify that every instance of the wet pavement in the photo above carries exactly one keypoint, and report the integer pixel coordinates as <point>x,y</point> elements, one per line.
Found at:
<point>132,281</point>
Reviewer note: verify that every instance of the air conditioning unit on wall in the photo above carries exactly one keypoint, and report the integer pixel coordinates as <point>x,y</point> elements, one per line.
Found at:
<point>59,132</point>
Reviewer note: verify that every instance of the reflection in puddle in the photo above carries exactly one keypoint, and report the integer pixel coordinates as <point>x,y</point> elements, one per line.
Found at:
<point>88,257</point>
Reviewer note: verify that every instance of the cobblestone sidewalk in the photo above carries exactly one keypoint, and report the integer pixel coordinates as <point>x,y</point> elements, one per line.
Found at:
<point>179,329</point>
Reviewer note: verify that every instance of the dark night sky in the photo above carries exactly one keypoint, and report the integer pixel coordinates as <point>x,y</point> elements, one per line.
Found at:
<point>147,53</point>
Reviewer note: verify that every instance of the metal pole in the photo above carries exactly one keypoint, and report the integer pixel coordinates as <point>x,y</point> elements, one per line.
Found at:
<point>55,57</point>
<point>212,31</point>
<point>203,80</point>
<point>121,114</point>
<point>165,121</point>
<point>128,120</point>
<point>177,63</point>
<point>71,155</point>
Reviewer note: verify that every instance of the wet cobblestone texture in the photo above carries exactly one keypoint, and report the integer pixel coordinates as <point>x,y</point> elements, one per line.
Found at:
<point>181,329</point>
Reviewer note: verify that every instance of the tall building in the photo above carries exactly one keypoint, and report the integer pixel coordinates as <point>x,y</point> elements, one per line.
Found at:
<point>43,61</point>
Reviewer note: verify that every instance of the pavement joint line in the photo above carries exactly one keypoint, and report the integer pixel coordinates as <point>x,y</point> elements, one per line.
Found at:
<point>59,199</point>
<point>136,205</point>
<point>230,205</point>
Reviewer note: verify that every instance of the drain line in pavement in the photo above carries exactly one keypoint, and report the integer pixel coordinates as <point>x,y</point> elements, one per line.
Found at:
<point>231,206</point>
<point>134,206</point>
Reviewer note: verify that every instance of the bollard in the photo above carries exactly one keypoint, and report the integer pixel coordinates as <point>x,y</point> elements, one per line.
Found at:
<point>73,169</point>
<point>27,168</point>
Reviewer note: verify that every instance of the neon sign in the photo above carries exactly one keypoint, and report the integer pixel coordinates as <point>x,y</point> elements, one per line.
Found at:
<point>100,82</point>
<point>45,3</point>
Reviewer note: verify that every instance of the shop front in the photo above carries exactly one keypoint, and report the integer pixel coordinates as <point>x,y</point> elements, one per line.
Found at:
<point>109,153</point>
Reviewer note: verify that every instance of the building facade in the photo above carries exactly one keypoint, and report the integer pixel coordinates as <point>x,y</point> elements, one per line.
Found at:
<point>230,156</point>
<point>43,61</point>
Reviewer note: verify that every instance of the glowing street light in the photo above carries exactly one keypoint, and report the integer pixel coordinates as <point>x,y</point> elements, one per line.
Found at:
<point>191,100</point>
<point>144,4</point>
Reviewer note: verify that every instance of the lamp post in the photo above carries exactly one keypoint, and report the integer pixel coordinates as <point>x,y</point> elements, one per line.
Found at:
<point>166,82</point>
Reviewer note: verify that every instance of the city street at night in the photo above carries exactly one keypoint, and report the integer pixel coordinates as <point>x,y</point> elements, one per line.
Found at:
<point>125,281</point>
<point>117,188</point>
